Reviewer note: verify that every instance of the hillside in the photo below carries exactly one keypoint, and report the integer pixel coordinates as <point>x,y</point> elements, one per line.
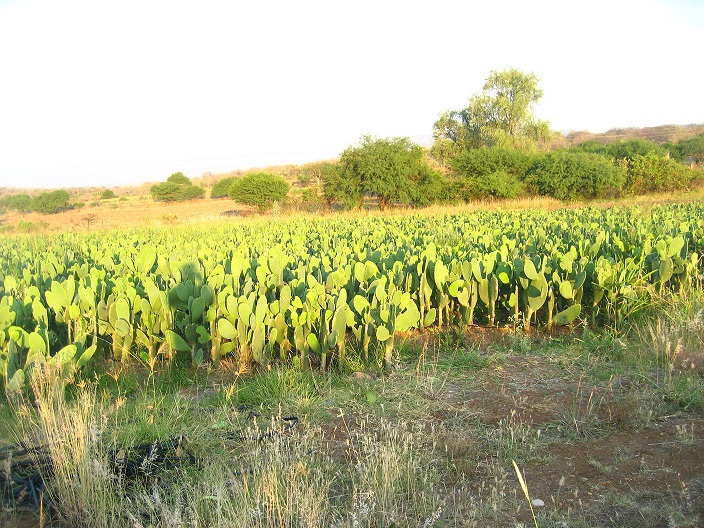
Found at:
<point>658,134</point>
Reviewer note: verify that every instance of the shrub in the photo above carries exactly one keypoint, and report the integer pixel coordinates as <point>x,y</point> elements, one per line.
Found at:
<point>310,201</point>
<point>221,189</point>
<point>259,189</point>
<point>166,192</point>
<point>653,173</point>
<point>485,161</point>
<point>79,205</point>
<point>569,175</point>
<point>692,148</point>
<point>174,192</point>
<point>21,203</point>
<point>107,194</point>
<point>191,192</point>
<point>51,202</point>
<point>628,150</point>
<point>490,172</point>
<point>179,178</point>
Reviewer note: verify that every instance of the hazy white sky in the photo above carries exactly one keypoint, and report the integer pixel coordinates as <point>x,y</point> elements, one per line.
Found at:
<point>97,92</point>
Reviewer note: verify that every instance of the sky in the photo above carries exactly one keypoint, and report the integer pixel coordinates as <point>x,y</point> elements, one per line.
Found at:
<point>105,92</point>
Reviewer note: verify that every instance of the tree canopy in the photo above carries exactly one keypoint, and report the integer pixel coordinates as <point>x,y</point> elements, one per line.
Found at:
<point>50,202</point>
<point>502,115</point>
<point>179,178</point>
<point>221,189</point>
<point>392,170</point>
<point>260,189</point>
<point>176,188</point>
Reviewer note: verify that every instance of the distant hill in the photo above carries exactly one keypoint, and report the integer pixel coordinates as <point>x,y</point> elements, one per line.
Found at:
<point>658,134</point>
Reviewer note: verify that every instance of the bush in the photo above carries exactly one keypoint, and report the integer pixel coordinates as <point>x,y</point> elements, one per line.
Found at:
<point>107,194</point>
<point>51,202</point>
<point>21,203</point>
<point>490,172</point>
<point>691,148</point>
<point>653,173</point>
<point>221,189</point>
<point>79,205</point>
<point>174,192</point>
<point>310,201</point>
<point>485,161</point>
<point>569,175</point>
<point>259,189</point>
<point>628,150</point>
<point>179,178</point>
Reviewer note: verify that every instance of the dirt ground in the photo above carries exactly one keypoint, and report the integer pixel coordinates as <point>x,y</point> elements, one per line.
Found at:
<point>136,212</point>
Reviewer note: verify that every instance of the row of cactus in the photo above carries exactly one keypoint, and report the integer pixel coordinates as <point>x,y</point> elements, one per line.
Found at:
<point>302,292</point>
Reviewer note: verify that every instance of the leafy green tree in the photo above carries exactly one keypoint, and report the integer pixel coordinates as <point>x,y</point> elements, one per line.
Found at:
<point>191,192</point>
<point>693,148</point>
<point>51,202</point>
<point>21,203</point>
<point>312,173</point>
<point>221,189</point>
<point>107,194</point>
<point>392,170</point>
<point>569,175</point>
<point>166,192</point>
<point>501,115</point>
<point>653,173</point>
<point>628,150</point>
<point>343,187</point>
<point>179,178</point>
<point>260,189</point>
<point>591,146</point>
<point>491,172</point>
<point>174,192</point>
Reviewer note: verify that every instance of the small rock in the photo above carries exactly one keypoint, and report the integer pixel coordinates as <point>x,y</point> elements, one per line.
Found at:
<point>537,503</point>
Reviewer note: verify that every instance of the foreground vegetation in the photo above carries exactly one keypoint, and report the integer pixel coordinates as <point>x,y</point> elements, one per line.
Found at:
<point>299,292</point>
<point>430,443</point>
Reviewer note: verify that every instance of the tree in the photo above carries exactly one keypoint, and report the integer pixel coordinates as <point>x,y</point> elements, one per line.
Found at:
<point>21,203</point>
<point>392,170</point>
<point>568,175</point>
<point>630,149</point>
<point>491,172</point>
<point>174,192</point>
<point>342,186</point>
<point>221,189</point>
<point>654,173</point>
<point>260,189</point>
<point>107,194</point>
<point>693,148</point>
<point>179,178</point>
<point>51,202</point>
<point>501,115</point>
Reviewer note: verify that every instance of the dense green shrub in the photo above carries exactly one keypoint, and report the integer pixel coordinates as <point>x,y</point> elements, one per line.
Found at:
<point>191,192</point>
<point>485,161</point>
<point>221,189</point>
<point>260,189</point>
<point>569,175</point>
<point>392,170</point>
<point>500,184</point>
<point>51,202</point>
<point>491,172</point>
<point>174,192</point>
<point>628,150</point>
<point>179,178</point>
<point>592,146</point>
<point>653,173</point>
<point>107,194</point>
<point>21,203</point>
<point>691,148</point>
